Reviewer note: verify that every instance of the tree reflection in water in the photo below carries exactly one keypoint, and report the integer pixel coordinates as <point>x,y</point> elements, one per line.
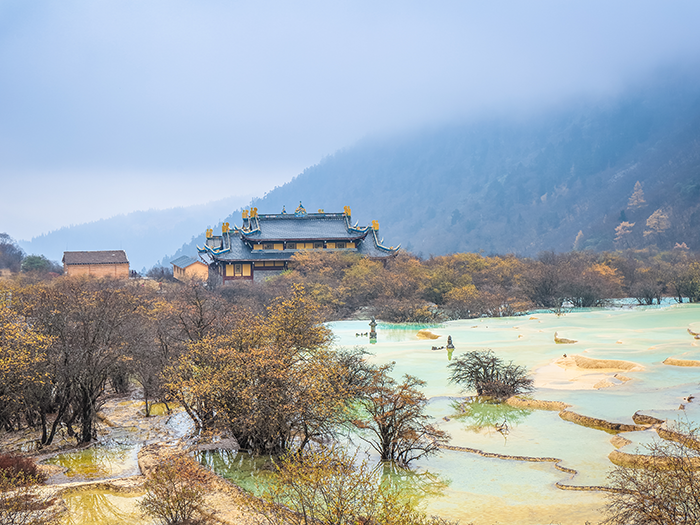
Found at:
<point>482,413</point>
<point>413,485</point>
<point>100,507</point>
<point>98,461</point>
<point>254,473</point>
<point>246,470</point>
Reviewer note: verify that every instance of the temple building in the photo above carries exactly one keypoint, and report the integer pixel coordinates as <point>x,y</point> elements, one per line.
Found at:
<point>265,244</point>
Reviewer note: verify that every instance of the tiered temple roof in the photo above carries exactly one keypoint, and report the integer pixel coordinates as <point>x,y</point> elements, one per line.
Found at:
<point>274,238</point>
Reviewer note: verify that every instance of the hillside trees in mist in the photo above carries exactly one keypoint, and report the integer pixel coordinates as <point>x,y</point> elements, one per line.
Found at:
<point>525,184</point>
<point>11,254</point>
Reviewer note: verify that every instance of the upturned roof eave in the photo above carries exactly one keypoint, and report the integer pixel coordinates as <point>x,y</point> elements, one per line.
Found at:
<point>349,238</point>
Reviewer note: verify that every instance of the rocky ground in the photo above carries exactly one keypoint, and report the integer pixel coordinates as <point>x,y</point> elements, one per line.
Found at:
<point>141,443</point>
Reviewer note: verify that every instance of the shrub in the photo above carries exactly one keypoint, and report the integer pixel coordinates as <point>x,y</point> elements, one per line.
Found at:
<point>20,468</point>
<point>175,493</point>
<point>329,486</point>
<point>663,489</point>
<point>22,504</point>
<point>483,371</point>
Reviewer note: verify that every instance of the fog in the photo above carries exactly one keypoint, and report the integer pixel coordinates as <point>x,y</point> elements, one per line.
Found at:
<point>110,107</point>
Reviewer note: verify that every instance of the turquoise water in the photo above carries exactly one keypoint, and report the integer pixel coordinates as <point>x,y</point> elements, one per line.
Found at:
<point>487,490</point>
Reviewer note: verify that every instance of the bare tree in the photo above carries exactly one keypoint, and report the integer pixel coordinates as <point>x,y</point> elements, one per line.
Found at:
<point>92,323</point>
<point>175,493</point>
<point>396,418</point>
<point>664,489</point>
<point>486,373</point>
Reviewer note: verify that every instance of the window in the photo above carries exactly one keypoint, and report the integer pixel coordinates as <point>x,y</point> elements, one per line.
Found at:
<point>291,246</point>
<point>268,246</point>
<point>237,270</point>
<point>318,245</point>
<point>340,245</point>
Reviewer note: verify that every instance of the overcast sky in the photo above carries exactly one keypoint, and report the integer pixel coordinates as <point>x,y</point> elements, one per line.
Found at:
<point>113,106</point>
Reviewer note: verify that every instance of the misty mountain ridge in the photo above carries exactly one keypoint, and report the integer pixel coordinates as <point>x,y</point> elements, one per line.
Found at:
<point>618,173</point>
<point>144,235</point>
<point>555,181</point>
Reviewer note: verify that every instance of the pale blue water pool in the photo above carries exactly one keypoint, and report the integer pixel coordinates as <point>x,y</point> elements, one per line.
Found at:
<point>486,490</point>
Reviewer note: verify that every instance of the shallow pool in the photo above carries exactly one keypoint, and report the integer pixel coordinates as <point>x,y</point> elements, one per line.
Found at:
<point>487,490</point>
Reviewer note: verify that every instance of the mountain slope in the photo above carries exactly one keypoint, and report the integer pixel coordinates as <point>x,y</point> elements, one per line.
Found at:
<point>144,235</point>
<point>525,186</point>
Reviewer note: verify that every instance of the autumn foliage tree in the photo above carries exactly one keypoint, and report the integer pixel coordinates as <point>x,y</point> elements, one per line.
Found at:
<point>272,380</point>
<point>406,288</point>
<point>393,419</point>
<point>24,369</point>
<point>90,324</point>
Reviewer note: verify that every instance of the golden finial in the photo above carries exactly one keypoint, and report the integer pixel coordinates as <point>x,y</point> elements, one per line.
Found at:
<point>245,214</point>
<point>375,225</point>
<point>347,210</point>
<point>210,233</point>
<point>225,227</point>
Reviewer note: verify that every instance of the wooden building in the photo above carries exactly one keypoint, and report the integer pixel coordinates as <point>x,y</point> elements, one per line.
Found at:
<point>186,268</point>
<point>264,245</point>
<point>110,263</point>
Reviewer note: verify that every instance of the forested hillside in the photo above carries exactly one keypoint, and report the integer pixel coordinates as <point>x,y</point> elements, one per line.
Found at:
<point>618,173</point>
<point>561,180</point>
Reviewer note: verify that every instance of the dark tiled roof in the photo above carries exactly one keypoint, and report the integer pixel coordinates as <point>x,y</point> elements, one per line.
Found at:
<point>240,251</point>
<point>184,261</point>
<point>100,257</point>
<point>234,245</point>
<point>371,248</point>
<point>290,227</point>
